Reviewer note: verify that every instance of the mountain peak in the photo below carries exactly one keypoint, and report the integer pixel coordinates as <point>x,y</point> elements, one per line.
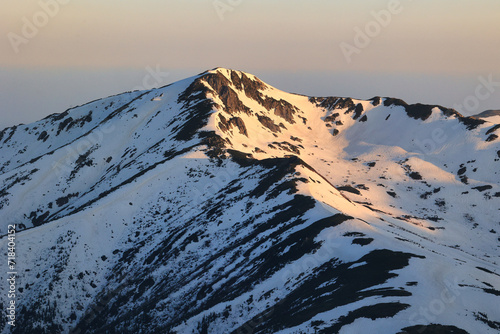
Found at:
<point>220,203</point>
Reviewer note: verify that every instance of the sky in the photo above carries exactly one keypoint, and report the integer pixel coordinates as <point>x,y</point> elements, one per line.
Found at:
<point>56,54</point>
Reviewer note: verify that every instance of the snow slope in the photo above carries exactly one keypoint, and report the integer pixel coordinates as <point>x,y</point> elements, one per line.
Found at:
<point>492,116</point>
<point>220,204</point>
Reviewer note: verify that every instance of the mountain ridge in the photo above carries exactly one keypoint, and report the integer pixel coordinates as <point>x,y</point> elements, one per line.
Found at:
<point>488,113</point>
<point>492,116</point>
<point>222,204</point>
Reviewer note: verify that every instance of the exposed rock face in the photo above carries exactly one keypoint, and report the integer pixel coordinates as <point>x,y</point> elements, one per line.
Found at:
<point>226,125</point>
<point>268,123</point>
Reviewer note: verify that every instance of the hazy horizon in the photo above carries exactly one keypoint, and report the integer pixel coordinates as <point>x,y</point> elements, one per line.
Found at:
<point>58,54</point>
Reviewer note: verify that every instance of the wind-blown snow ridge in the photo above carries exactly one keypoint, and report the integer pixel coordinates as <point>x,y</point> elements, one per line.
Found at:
<point>220,204</point>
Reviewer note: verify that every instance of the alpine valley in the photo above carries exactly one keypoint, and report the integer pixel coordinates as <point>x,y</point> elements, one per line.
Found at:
<point>220,204</point>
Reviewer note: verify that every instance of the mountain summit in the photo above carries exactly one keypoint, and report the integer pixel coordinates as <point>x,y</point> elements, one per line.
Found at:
<point>220,204</point>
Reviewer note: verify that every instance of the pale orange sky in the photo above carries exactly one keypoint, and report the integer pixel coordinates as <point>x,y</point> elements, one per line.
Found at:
<point>438,37</point>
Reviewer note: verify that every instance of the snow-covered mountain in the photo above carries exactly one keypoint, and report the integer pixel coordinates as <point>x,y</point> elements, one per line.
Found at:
<point>220,204</point>
<point>492,116</point>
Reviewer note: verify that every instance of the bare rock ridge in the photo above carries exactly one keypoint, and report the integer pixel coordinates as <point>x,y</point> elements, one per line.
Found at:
<point>221,204</point>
